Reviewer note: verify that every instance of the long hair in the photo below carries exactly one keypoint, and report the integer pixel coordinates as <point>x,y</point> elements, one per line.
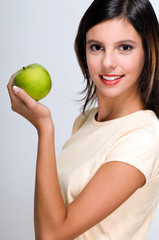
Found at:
<point>141,15</point>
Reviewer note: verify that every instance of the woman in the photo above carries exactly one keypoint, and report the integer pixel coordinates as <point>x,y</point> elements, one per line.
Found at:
<point>107,182</point>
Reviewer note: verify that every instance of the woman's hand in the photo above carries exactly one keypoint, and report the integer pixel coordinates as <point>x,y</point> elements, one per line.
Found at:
<point>33,111</point>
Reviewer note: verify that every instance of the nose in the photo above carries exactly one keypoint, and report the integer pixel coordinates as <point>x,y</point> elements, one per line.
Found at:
<point>109,60</point>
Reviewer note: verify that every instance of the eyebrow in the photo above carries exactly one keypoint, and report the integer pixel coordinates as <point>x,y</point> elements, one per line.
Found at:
<point>128,41</point>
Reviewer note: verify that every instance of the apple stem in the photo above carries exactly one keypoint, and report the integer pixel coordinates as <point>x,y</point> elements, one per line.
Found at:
<point>24,68</point>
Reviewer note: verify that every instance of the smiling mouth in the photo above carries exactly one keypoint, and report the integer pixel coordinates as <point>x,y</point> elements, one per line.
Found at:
<point>111,80</point>
<point>111,77</point>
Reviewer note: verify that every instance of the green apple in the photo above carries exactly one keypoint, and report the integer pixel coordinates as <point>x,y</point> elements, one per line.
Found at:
<point>34,79</point>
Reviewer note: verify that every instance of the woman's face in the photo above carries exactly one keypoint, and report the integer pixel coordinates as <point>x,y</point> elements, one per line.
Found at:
<point>115,58</point>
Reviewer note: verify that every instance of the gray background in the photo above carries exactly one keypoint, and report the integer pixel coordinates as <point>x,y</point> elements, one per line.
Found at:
<point>36,31</point>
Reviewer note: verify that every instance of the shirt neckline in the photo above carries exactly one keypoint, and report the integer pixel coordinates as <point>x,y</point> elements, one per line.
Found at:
<point>131,115</point>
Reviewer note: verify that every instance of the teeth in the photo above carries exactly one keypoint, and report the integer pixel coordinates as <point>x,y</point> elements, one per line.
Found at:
<point>110,78</point>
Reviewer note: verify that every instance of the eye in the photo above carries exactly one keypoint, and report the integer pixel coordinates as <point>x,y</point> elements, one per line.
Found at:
<point>126,47</point>
<point>96,47</point>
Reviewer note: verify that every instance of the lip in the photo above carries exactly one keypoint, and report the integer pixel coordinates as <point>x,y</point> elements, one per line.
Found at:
<point>111,82</point>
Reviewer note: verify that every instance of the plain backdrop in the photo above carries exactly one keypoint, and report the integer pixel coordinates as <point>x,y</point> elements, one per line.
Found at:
<point>37,31</point>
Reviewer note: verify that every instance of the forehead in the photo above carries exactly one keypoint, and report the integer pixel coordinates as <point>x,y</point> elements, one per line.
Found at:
<point>117,28</point>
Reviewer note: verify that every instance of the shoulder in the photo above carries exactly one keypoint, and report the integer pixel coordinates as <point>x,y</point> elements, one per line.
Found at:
<point>144,122</point>
<point>138,143</point>
<point>149,128</point>
<point>82,119</point>
<point>140,133</point>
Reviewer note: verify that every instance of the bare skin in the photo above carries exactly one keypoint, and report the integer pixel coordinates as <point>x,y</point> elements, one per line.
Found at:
<point>54,220</point>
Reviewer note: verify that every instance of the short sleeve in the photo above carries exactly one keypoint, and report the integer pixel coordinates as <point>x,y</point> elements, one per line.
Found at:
<point>139,149</point>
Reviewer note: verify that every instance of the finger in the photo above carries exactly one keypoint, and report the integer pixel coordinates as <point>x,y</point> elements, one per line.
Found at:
<point>24,97</point>
<point>10,83</point>
<point>9,87</point>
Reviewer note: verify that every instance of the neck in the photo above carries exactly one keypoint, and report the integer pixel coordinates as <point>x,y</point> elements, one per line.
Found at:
<point>112,108</point>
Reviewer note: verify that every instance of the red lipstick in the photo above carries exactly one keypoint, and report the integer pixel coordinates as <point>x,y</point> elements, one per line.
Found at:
<point>111,80</point>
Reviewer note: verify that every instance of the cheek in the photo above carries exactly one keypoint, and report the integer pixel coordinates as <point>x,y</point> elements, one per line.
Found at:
<point>93,64</point>
<point>133,65</point>
<point>138,67</point>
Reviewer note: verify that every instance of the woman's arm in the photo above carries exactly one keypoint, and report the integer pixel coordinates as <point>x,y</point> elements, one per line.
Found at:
<point>113,183</point>
<point>50,211</point>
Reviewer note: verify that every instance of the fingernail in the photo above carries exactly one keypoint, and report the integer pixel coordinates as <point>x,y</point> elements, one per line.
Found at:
<point>16,89</point>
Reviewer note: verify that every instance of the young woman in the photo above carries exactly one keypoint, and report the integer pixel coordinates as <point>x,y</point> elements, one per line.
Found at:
<point>106,182</point>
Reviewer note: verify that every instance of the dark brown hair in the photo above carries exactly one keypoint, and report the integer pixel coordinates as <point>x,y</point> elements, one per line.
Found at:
<point>141,15</point>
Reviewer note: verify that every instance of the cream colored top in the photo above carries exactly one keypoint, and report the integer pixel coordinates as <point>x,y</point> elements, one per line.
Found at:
<point>133,139</point>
